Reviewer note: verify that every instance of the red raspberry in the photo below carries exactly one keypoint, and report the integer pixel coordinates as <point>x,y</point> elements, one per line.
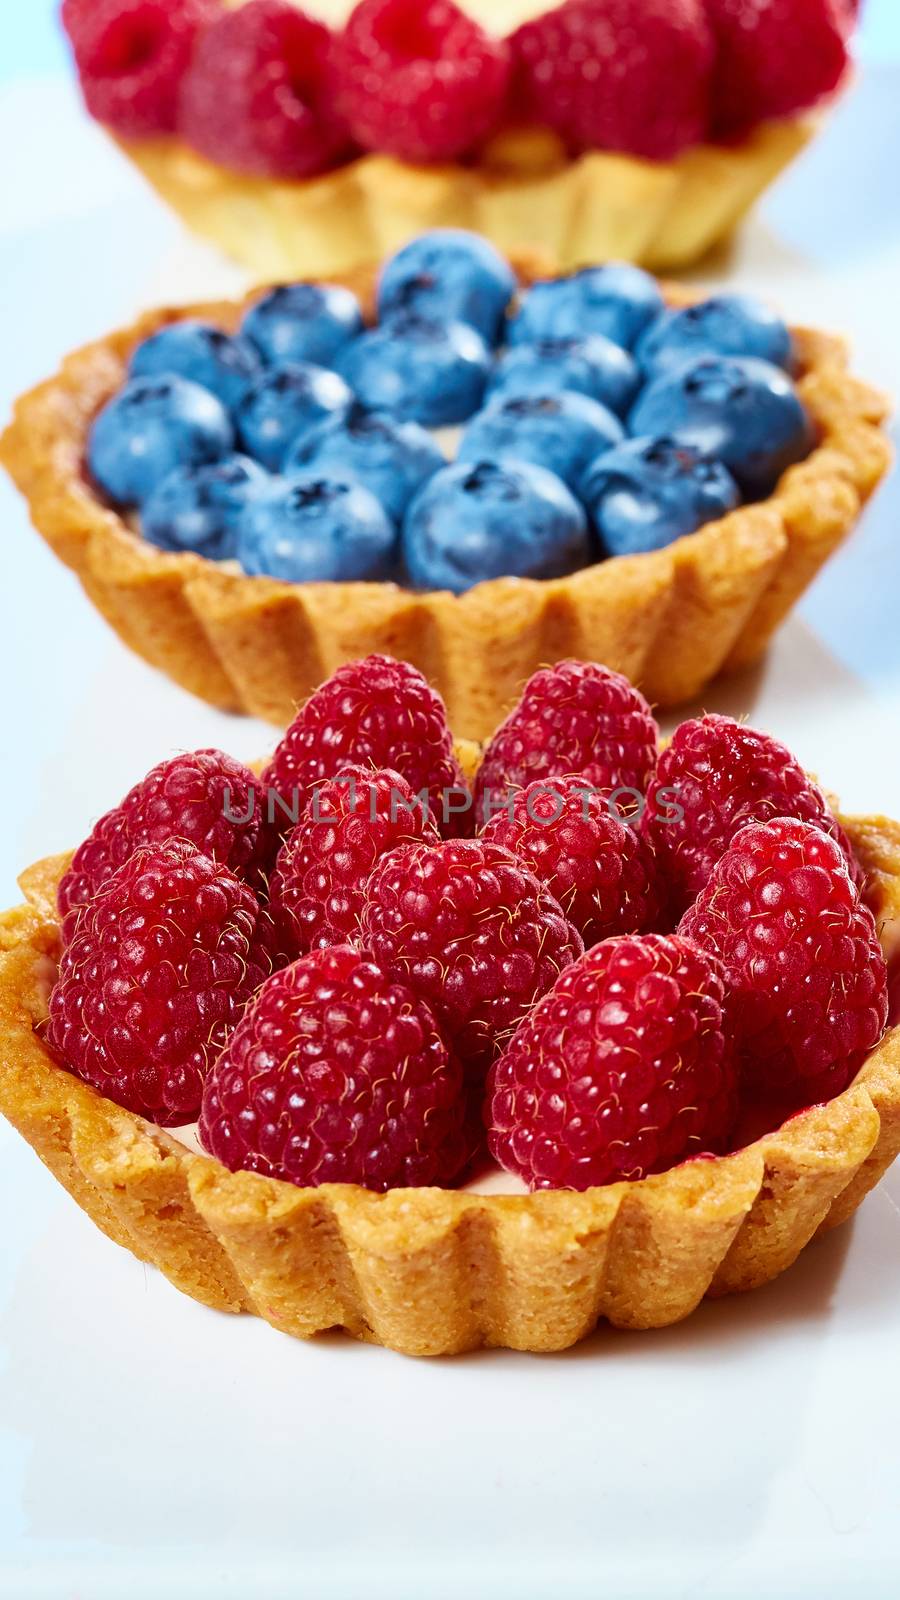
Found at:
<point>575,717</point>
<point>317,887</point>
<point>419,79</point>
<point>473,931</point>
<point>162,963</point>
<point>722,775</point>
<point>631,75</point>
<point>379,713</point>
<point>256,97</point>
<point>801,955</point>
<point>598,868</point>
<point>622,1069</point>
<point>131,56</point>
<point>205,797</point>
<point>337,1074</point>
<point>774,58</point>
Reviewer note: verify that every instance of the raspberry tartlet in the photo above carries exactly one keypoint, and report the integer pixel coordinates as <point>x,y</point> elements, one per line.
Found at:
<point>461,461</point>
<point>314,138</point>
<point>314,1074</point>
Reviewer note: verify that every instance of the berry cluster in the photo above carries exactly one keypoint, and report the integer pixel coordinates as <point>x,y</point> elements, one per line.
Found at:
<point>365,995</point>
<point>267,89</point>
<point>596,422</point>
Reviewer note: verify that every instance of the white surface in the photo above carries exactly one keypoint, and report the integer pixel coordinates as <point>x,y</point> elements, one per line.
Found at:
<point>150,1447</point>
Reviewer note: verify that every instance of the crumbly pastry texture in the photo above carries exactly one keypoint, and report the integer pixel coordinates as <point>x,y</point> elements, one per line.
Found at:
<point>599,206</point>
<point>669,620</point>
<point>432,1271</point>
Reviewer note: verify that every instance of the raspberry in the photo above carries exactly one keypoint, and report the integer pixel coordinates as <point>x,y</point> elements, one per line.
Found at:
<point>337,1074</point>
<point>598,868</point>
<point>774,57</point>
<point>631,75</point>
<point>379,713</point>
<point>472,931</point>
<point>256,97</point>
<point>622,1069</point>
<point>801,955</point>
<point>575,717</point>
<point>419,79</point>
<point>722,775</point>
<point>317,887</point>
<point>201,797</point>
<point>131,56</point>
<point>162,962</point>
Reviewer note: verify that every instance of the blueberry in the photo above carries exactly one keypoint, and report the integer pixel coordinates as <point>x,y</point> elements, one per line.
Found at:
<point>391,458</point>
<point>647,492</point>
<point>726,325</point>
<point>451,276</point>
<point>617,300</point>
<point>419,369</point>
<point>303,322</point>
<point>198,508</point>
<point>563,432</point>
<point>151,426</point>
<point>316,528</point>
<point>222,362</point>
<point>284,403</point>
<point>486,519</point>
<point>743,411</point>
<point>593,366</point>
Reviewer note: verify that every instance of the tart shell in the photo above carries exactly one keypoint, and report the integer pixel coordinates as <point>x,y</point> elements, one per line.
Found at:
<point>598,207</point>
<point>432,1271</point>
<point>669,620</point>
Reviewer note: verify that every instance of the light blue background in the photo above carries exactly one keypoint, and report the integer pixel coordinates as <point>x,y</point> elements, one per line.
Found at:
<point>30,40</point>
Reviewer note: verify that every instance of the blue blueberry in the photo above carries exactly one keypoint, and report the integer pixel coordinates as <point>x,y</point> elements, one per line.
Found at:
<point>284,403</point>
<point>391,458</point>
<point>743,411</point>
<point>303,322</point>
<point>726,325</point>
<point>198,508</point>
<point>563,432</point>
<point>419,369</point>
<point>489,519</point>
<point>316,528</point>
<point>647,492</point>
<point>593,366</point>
<point>617,300</point>
<point>449,275</point>
<point>151,426</point>
<point>222,362</point>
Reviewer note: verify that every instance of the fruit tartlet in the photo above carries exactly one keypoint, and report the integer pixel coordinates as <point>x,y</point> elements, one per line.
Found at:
<point>449,1047</point>
<point>311,139</point>
<point>472,469</point>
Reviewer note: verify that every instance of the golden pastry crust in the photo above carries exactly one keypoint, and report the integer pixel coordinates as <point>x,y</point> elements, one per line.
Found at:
<point>431,1271</point>
<point>670,620</point>
<point>600,206</point>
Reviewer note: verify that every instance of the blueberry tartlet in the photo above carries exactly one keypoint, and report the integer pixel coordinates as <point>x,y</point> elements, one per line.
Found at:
<point>442,1046</point>
<point>311,139</point>
<point>470,467</point>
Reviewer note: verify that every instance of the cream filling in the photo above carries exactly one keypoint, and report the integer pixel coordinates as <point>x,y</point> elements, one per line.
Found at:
<point>498,17</point>
<point>492,1181</point>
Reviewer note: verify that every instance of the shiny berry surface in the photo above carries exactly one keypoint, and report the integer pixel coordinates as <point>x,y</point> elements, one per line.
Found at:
<point>316,890</point>
<point>471,930</point>
<point>597,867</point>
<point>807,977</point>
<point>576,717</point>
<point>161,965</point>
<point>337,1074</point>
<point>622,1070</point>
<point>720,775</point>
<point>204,796</point>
